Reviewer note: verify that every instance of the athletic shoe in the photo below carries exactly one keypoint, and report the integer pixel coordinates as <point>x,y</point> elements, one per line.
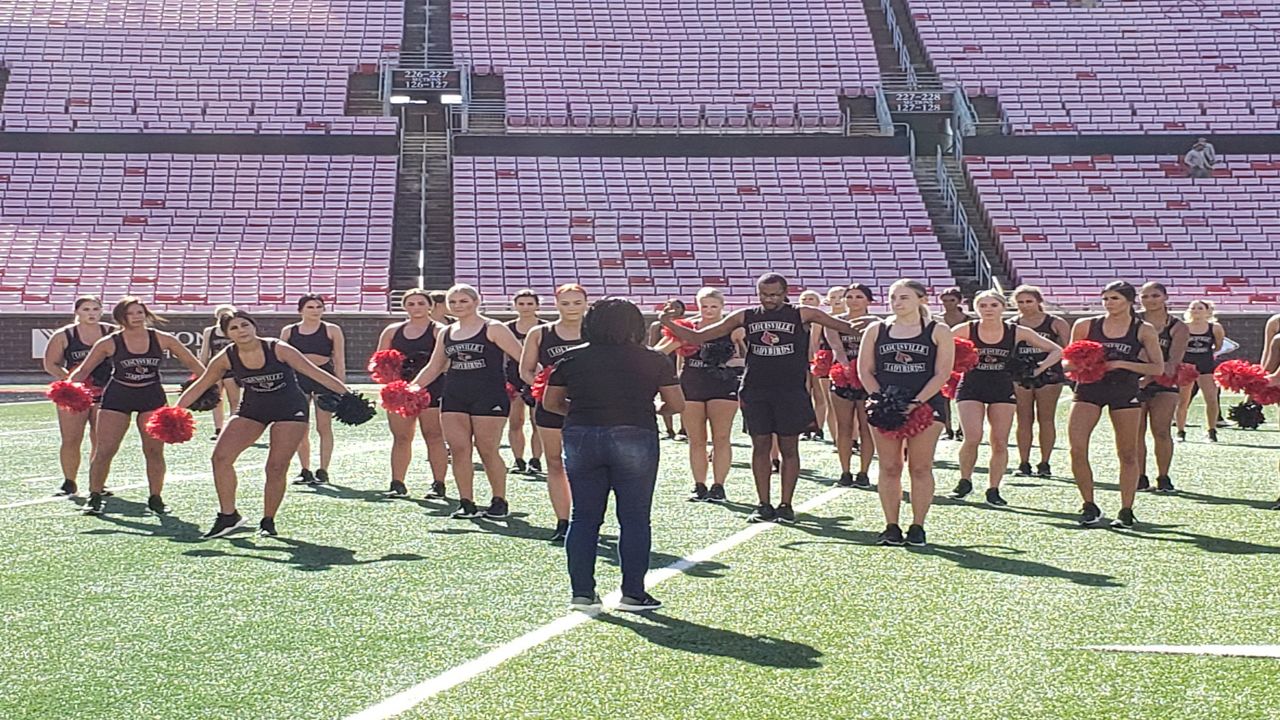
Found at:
<point>466,510</point>
<point>156,505</point>
<point>671,435</point>
<point>562,531</point>
<point>857,447</point>
<point>994,499</point>
<point>535,466</point>
<point>1213,435</point>
<point>497,509</point>
<point>915,536</point>
<point>1125,519</point>
<point>862,480</point>
<point>819,436</point>
<point>764,512</point>
<point>267,527</point>
<point>1164,484</point>
<point>585,604</point>
<point>398,490</point>
<point>305,478</point>
<point>1144,483</point>
<point>892,535</point>
<point>436,492</point>
<point>94,506</point>
<point>1043,470</point>
<point>1024,469</point>
<point>322,476</point>
<point>67,489</point>
<point>1090,514</point>
<point>949,435</point>
<point>963,488</point>
<point>846,479</point>
<point>699,493</point>
<point>777,466</point>
<point>224,525</point>
<point>682,435</point>
<point>785,515</point>
<point>644,603</point>
<point>1182,436</point>
<point>716,494</point>
<point>216,433</point>
<point>520,466</point>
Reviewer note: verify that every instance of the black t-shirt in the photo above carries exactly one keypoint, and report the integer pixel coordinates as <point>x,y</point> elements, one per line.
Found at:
<point>613,384</point>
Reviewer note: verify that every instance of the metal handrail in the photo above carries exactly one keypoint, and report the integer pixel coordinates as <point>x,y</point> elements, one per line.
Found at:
<point>494,111</point>
<point>972,250</point>
<point>963,111</point>
<point>904,57</point>
<point>883,114</point>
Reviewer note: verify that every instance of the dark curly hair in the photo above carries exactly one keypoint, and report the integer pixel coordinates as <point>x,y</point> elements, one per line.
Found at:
<point>613,321</point>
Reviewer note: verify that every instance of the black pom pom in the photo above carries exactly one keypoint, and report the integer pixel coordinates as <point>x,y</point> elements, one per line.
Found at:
<point>350,409</point>
<point>887,409</point>
<point>207,401</point>
<point>849,393</point>
<point>716,353</point>
<point>413,365</point>
<point>526,395</point>
<point>1248,415</point>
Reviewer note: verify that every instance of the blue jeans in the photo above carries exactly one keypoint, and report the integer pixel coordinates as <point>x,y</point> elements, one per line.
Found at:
<point>624,459</point>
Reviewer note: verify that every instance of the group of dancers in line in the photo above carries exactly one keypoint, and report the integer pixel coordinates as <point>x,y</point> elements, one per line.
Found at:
<point>758,360</point>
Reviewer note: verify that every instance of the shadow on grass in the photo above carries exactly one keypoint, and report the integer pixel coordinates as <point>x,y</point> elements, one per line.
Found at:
<point>514,525</point>
<point>304,556</point>
<point>1207,543</point>
<point>677,634</point>
<point>133,518</point>
<point>607,550</point>
<point>1221,500</point>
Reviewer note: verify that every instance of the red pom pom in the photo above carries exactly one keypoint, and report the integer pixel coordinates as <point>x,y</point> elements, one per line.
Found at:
<point>512,391</point>
<point>1266,394</point>
<point>1088,361</point>
<point>402,399</point>
<point>539,387</point>
<point>385,366</point>
<point>1240,376</point>
<point>1185,374</point>
<point>683,348</point>
<point>171,425</point>
<point>952,385</point>
<point>821,364</point>
<point>72,397</point>
<point>843,376</point>
<point>917,422</point>
<point>966,356</point>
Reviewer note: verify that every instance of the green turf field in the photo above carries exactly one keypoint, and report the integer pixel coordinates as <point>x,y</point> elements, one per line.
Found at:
<point>132,616</point>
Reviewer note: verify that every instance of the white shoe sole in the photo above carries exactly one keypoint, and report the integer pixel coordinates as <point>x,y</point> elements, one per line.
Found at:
<point>638,608</point>
<point>239,524</point>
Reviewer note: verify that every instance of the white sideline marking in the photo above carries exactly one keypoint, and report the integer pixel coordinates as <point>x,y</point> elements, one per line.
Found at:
<point>411,697</point>
<point>1259,651</point>
<point>44,427</point>
<point>244,466</point>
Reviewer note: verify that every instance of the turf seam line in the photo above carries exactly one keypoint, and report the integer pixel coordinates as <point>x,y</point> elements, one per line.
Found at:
<point>411,697</point>
<point>1257,651</point>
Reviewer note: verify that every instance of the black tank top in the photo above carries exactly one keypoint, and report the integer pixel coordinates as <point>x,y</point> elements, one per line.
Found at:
<point>1200,345</point>
<point>993,359</point>
<point>851,343</point>
<point>1032,355</point>
<point>777,350</point>
<point>141,369</point>
<point>475,364</point>
<point>217,341</point>
<point>273,379</point>
<point>906,362</point>
<point>76,351</point>
<point>1165,334</point>
<point>317,343</point>
<point>552,347</point>
<point>417,352</point>
<point>1125,348</point>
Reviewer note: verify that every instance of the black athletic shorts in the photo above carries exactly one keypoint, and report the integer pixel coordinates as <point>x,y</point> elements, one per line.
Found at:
<point>491,405</point>
<point>311,387</point>
<point>990,392</point>
<point>288,407</point>
<point>785,414</point>
<point>1113,395</point>
<point>1205,364</point>
<point>128,399</point>
<point>1154,389</point>
<point>698,387</point>
<point>544,418</point>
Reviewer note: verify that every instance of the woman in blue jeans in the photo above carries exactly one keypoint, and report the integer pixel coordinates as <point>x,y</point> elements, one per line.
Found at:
<point>606,390</point>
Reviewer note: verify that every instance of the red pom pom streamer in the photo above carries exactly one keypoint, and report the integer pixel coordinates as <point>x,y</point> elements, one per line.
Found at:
<point>820,366</point>
<point>1240,376</point>
<point>1267,394</point>
<point>683,348</point>
<point>512,391</point>
<point>1185,374</point>
<point>539,387</point>
<point>966,356</point>
<point>917,422</point>
<point>1088,361</point>
<point>843,376</point>
<point>402,399</point>
<point>171,425</point>
<point>952,385</point>
<point>385,366</point>
<point>69,396</point>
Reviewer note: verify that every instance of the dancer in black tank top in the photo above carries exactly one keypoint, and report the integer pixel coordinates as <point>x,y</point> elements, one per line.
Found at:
<point>135,352</point>
<point>817,391</point>
<point>986,391</point>
<point>415,338</point>
<point>849,406</point>
<point>472,351</point>
<point>1125,338</point>
<point>269,371</point>
<point>1160,398</point>
<point>69,347</point>
<point>1204,339</point>
<point>525,303</point>
<point>822,381</point>
<point>212,342</point>
<point>912,352</point>
<point>774,395</point>
<point>1038,398</point>
<point>326,347</point>
<point>543,348</point>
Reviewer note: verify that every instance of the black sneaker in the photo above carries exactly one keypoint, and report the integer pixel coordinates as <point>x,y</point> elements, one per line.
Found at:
<point>644,603</point>
<point>1164,484</point>
<point>862,480</point>
<point>763,512</point>
<point>520,466</point>
<point>682,436</point>
<point>819,436</point>
<point>156,505</point>
<point>915,536</point>
<point>892,535</point>
<point>322,477</point>
<point>398,490</point>
<point>582,603</point>
<point>671,435</point>
<point>1090,514</point>
<point>1213,435</point>
<point>224,525</point>
<point>963,488</point>
<point>436,492</point>
<point>959,434</point>
<point>716,494</point>
<point>699,493</point>
<point>949,435</point>
<point>466,510</point>
<point>304,478</point>
<point>1043,470</point>
<point>1124,519</point>
<point>994,499</point>
<point>1182,436</point>
<point>67,489</point>
<point>497,509</point>
<point>777,466</point>
<point>857,447</point>
<point>1144,483</point>
<point>1024,469</point>
<point>562,531</point>
<point>267,527</point>
<point>94,505</point>
<point>846,479</point>
<point>535,466</point>
<point>785,515</point>
<point>216,433</point>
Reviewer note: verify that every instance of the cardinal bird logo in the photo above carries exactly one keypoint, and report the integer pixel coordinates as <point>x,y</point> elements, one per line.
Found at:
<point>769,338</point>
<point>903,357</point>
